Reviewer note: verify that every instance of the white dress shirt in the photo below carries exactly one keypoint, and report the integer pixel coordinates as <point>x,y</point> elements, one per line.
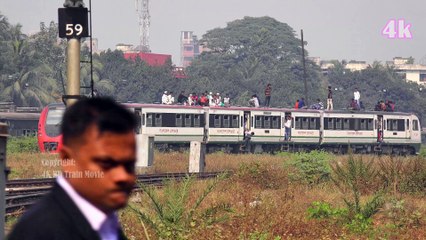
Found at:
<point>106,225</point>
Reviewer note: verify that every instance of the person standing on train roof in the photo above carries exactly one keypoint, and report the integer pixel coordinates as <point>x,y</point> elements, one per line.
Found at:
<point>357,96</point>
<point>268,91</point>
<point>98,174</point>
<point>227,101</point>
<point>329,99</point>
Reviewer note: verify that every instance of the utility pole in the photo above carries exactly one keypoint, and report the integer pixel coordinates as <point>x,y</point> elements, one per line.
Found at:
<point>304,69</point>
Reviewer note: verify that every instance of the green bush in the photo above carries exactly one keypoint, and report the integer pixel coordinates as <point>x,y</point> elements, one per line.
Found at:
<point>22,145</point>
<point>312,167</point>
<point>322,210</point>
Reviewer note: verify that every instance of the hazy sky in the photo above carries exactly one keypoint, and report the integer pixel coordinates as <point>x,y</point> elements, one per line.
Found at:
<point>334,29</point>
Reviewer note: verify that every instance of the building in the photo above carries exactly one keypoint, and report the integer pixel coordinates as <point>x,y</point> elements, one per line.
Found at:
<point>152,59</point>
<point>411,72</point>
<point>189,48</point>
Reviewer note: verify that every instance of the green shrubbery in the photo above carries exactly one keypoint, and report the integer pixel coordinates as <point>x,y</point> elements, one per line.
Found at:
<point>311,167</point>
<point>22,145</point>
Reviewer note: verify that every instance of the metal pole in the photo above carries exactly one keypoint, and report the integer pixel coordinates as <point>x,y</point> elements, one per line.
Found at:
<point>304,70</point>
<point>92,84</point>
<point>73,69</point>
<point>4,171</point>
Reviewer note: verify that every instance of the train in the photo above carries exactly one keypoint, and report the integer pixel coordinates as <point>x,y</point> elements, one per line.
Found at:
<point>225,129</point>
<point>49,135</point>
<point>20,124</point>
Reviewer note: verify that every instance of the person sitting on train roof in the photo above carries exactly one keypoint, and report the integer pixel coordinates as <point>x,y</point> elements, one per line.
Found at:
<point>170,98</point>
<point>377,107</point>
<point>194,99</point>
<point>164,98</point>
<point>254,101</point>
<point>182,98</point>
<point>203,100</point>
<point>353,105</point>
<point>296,105</point>
<point>302,103</point>
<point>319,105</point>
<point>390,106</point>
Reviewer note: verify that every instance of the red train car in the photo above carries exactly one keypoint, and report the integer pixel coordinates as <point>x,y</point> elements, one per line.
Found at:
<point>49,128</point>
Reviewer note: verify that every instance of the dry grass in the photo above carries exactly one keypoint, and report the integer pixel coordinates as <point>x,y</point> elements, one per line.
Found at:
<point>267,204</point>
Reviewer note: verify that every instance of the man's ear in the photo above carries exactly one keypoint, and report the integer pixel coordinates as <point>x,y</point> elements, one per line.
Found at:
<point>65,153</point>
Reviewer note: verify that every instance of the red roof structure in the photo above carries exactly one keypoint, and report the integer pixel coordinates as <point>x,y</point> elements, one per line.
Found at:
<point>152,59</point>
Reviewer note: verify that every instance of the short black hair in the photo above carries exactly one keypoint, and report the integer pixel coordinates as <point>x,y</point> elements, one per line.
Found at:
<point>102,112</point>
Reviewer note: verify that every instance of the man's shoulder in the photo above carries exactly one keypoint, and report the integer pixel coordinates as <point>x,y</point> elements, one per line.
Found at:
<point>43,218</point>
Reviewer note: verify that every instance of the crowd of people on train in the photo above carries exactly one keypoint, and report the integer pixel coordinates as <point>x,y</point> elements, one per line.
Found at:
<point>215,99</point>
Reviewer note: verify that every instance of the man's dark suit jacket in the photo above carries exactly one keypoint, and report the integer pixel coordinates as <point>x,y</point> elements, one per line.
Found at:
<point>55,217</point>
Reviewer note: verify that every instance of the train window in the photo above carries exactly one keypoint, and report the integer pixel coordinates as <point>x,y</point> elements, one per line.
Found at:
<point>276,122</point>
<point>188,120</point>
<point>216,121</point>
<point>314,123</point>
<point>415,125</point>
<point>168,120</point>
<point>158,120</point>
<point>362,124</point>
<point>369,124</point>
<point>266,122</point>
<point>338,124</point>
<point>298,123</point>
<point>234,123</point>
<point>400,125</point>
<point>346,124</point>
<point>328,123</point>
<point>178,121</point>
<point>408,124</point>
<point>226,121</point>
<point>258,121</point>
<point>149,119</point>
<point>354,124</point>
<point>197,120</point>
<point>305,123</point>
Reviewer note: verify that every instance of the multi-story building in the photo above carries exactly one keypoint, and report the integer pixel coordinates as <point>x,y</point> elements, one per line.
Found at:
<point>189,48</point>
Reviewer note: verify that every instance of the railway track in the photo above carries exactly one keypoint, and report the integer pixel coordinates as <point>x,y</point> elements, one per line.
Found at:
<point>22,193</point>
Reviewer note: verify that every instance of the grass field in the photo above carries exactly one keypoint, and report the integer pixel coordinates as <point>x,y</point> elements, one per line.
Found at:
<point>284,196</point>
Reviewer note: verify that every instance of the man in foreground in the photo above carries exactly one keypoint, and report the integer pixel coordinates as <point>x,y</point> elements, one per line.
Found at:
<point>99,150</point>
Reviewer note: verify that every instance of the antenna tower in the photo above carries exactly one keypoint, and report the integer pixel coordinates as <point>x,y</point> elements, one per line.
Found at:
<point>144,19</point>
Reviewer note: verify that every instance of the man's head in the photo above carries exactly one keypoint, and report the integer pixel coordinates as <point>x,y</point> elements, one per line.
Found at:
<point>98,135</point>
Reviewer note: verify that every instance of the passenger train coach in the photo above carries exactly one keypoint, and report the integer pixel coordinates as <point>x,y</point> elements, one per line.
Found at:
<point>336,131</point>
<point>223,128</point>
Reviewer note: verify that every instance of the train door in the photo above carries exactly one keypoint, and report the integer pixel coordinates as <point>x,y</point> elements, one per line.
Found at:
<point>380,125</point>
<point>246,122</point>
<point>408,128</point>
<point>287,126</point>
<point>139,120</point>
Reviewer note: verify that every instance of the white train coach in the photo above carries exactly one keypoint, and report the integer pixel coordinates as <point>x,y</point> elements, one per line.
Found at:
<point>224,128</point>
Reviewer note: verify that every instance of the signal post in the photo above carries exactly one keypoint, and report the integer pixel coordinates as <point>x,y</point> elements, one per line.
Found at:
<point>73,25</point>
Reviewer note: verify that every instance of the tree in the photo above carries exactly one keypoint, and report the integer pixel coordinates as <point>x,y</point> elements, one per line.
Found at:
<point>249,53</point>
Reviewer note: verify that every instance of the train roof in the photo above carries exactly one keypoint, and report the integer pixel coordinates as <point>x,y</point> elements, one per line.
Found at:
<point>19,116</point>
<point>240,108</point>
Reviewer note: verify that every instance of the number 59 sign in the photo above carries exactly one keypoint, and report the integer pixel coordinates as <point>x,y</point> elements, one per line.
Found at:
<point>73,22</point>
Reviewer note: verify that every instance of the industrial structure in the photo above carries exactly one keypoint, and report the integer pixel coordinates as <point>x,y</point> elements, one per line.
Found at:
<point>144,19</point>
